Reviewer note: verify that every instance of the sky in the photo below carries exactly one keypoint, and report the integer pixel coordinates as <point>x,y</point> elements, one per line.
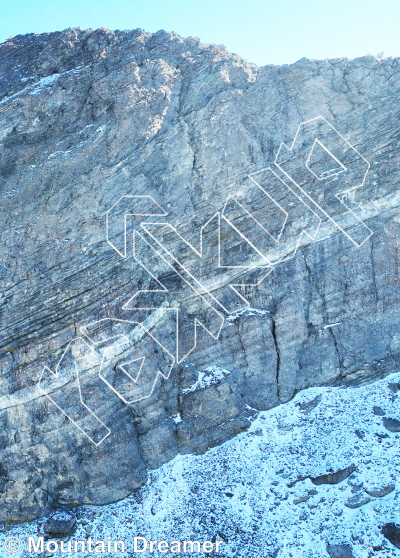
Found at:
<point>261,31</point>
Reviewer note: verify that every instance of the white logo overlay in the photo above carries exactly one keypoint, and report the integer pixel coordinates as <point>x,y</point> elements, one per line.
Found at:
<point>183,287</point>
<point>12,545</point>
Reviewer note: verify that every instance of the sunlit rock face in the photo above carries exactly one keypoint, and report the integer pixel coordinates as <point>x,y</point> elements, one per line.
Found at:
<point>255,269</point>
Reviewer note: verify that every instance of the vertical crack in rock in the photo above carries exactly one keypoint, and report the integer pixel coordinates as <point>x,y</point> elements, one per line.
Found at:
<point>273,331</point>
<point>314,283</point>
<point>290,333</point>
<point>374,272</point>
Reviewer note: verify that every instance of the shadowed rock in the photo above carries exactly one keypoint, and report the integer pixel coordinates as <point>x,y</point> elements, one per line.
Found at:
<point>357,501</point>
<point>380,492</point>
<point>306,497</point>
<point>59,524</point>
<point>339,551</point>
<point>334,478</point>
<point>394,387</point>
<point>391,424</point>
<point>391,532</point>
<point>378,411</point>
<point>309,405</point>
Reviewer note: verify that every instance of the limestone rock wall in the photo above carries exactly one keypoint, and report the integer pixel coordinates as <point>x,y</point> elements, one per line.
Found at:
<point>87,117</point>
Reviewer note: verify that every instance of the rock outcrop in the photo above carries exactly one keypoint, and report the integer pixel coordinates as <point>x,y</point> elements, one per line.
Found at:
<point>173,132</point>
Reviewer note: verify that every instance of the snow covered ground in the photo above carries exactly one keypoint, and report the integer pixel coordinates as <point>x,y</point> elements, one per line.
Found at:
<point>244,492</point>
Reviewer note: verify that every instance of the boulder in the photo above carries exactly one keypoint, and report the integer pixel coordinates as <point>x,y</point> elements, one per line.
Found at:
<point>391,424</point>
<point>380,491</point>
<point>59,524</point>
<point>339,551</point>
<point>357,501</point>
<point>391,532</point>
<point>334,478</point>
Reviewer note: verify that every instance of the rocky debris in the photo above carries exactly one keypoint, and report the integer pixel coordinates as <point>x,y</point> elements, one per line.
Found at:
<point>304,498</point>
<point>334,478</point>
<point>378,411</point>
<point>391,532</point>
<point>285,427</point>
<point>239,494</point>
<point>60,523</point>
<point>381,435</point>
<point>297,479</point>
<point>308,406</point>
<point>360,434</point>
<point>301,499</point>
<point>357,501</point>
<point>339,551</point>
<point>380,491</point>
<point>356,487</point>
<point>391,424</point>
<point>257,432</point>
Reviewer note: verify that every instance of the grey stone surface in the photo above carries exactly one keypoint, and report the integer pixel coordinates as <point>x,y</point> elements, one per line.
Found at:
<point>391,532</point>
<point>378,411</point>
<point>380,491</point>
<point>89,116</point>
<point>334,477</point>
<point>305,497</point>
<point>60,523</point>
<point>357,501</point>
<point>340,551</point>
<point>391,424</point>
<point>394,387</point>
<point>309,405</point>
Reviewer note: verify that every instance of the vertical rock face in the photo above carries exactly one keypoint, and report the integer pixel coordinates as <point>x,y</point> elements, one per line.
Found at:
<point>291,333</point>
<point>105,133</point>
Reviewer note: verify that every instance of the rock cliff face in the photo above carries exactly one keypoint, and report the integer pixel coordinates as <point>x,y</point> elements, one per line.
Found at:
<point>106,133</point>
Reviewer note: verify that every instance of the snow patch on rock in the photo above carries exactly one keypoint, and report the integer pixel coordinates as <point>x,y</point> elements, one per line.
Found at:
<point>211,375</point>
<point>249,311</point>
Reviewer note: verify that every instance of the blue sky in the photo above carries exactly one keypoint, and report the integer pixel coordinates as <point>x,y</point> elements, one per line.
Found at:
<point>262,31</point>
